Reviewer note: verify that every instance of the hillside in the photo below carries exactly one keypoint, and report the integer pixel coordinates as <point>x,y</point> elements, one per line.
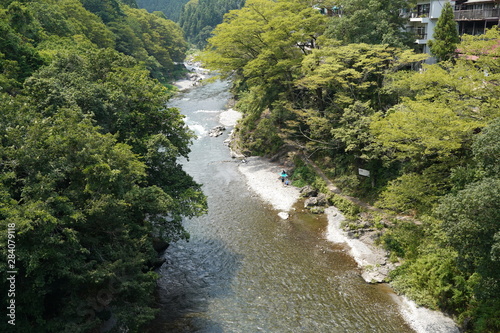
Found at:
<point>171,8</point>
<point>342,91</point>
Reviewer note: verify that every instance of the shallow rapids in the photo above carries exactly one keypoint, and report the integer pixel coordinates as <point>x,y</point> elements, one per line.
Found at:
<point>247,270</point>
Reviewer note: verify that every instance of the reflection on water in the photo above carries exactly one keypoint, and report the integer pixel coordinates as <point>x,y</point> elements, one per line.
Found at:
<point>246,270</point>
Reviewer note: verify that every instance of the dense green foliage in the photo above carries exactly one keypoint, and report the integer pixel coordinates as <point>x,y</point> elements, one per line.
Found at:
<point>89,177</point>
<point>371,22</point>
<point>346,96</point>
<point>199,17</point>
<point>171,8</point>
<point>196,17</point>
<point>445,38</point>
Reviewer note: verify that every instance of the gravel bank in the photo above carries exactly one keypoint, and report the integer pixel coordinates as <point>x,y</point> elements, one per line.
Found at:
<point>262,178</point>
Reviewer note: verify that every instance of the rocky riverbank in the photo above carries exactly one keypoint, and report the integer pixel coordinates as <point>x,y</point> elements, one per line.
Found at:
<point>194,77</point>
<point>262,177</point>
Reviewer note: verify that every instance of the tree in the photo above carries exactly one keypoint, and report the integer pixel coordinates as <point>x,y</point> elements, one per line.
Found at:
<point>161,39</point>
<point>89,171</point>
<point>198,18</point>
<point>171,8</point>
<point>371,22</point>
<point>271,47</point>
<point>446,38</point>
<point>422,131</point>
<point>353,72</point>
<point>79,206</point>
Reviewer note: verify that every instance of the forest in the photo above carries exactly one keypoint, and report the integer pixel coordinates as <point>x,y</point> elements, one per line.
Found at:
<point>91,186</point>
<point>197,18</point>
<point>90,183</point>
<point>348,92</point>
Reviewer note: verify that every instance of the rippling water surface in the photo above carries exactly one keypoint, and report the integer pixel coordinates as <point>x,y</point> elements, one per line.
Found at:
<point>246,270</point>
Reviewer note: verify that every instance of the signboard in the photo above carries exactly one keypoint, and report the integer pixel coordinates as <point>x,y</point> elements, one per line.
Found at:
<point>363,172</point>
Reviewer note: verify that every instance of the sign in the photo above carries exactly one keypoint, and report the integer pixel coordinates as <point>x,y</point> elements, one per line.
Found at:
<point>363,172</point>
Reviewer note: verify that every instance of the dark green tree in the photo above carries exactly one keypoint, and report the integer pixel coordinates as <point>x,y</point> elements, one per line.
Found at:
<point>171,8</point>
<point>446,38</point>
<point>89,171</point>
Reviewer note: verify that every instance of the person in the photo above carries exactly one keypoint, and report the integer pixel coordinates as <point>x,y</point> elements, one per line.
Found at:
<point>283,176</point>
<point>287,182</point>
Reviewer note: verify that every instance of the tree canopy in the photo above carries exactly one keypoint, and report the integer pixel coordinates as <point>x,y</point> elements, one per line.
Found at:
<point>344,92</point>
<point>90,181</point>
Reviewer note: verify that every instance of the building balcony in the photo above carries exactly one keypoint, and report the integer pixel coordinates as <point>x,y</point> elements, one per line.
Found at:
<point>421,38</point>
<point>477,14</point>
<point>421,19</point>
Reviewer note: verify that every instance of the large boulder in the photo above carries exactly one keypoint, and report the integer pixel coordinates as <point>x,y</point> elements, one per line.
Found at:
<point>322,200</point>
<point>310,202</point>
<point>308,191</point>
<point>216,131</point>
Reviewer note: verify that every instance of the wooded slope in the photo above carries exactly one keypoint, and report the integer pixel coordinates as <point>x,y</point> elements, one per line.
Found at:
<point>89,178</point>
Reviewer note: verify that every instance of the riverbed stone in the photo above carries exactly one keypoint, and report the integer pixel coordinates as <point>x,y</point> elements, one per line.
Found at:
<point>284,215</point>
<point>322,200</point>
<point>217,131</point>
<point>317,210</point>
<point>308,191</point>
<point>310,202</point>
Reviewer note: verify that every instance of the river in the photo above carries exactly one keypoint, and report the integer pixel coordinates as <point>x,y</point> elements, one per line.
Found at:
<point>246,270</point>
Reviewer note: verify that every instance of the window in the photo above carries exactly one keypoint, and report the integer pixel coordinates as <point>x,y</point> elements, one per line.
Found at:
<point>423,9</point>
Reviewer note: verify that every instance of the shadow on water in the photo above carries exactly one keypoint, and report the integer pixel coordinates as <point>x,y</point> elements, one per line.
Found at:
<point>196,272</point>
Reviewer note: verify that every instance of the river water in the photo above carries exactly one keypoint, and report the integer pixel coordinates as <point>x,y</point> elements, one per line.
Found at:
<point>245,269</point>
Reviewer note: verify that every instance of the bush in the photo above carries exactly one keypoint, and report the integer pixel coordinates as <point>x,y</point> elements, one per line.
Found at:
<point>403,239</point>
<point>302,175</point>
<point>348,208</point>
<point>410,192</point>
<point>433,280</point>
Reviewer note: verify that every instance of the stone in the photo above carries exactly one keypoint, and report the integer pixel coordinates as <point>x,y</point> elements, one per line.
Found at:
<point>311,201</point>
<point>216,131</point>
<point>284,215</point>
<point>322,200</point>
<point>317,210</point>
<point>308,191</point>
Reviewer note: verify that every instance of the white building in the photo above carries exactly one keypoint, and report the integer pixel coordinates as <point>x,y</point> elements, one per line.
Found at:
<point>473,17</point>
<point>422,20</point>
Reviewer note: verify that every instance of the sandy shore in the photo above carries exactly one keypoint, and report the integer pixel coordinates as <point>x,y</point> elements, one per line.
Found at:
<point>229,117</point>
<point>263,178</point>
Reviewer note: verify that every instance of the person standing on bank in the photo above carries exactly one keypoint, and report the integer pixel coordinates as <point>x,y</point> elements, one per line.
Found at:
<point>283,175</point>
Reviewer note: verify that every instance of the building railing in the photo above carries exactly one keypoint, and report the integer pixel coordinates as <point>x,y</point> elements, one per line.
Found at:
<point>421,35</point>
<point>417,14</point>
<point>477,14</point>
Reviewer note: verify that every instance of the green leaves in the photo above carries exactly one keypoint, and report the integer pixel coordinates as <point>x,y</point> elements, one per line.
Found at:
<point>88,162</point>
<point>371,22</point>
<point>422,130</point>
<point>446,38</point>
